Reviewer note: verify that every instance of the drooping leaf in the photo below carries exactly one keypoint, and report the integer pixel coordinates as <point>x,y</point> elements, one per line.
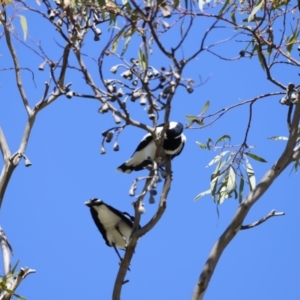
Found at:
<point>24,26</point>
<point>255,10</point>
<point>231,182</point>
<point>209,140</point>
<point>114,46</point>
<point>142,60</point>
<point>201,145</point>
<point>292,39</point>
<point>232,15</point>
<point>223,138</point>
<point>223,8</point>
<point>278,138</point>
<point>250,175</point>
<point>126,44</point>
<point>217,158</point>
<point>205,107</point>
<point>202,194</point>
<point>255,157</point>
<point>222,193</point>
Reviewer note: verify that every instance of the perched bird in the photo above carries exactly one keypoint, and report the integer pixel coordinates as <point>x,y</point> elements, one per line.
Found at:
<point>114,225</point>
<point>173,144</point>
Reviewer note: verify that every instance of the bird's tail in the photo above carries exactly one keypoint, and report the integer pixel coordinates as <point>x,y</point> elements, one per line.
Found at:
<point>126,167</point>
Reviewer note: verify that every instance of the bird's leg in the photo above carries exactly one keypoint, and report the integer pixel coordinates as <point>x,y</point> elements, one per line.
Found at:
<point>126,244</point>
<point>123,237</point>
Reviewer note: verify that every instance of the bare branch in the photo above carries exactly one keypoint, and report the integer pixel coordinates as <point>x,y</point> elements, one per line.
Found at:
<point>137,234</point>
<point>6,251</point>
<point>271,214</point>
<point>16,282</point>
<point>16,63</point>
<point>4,146</point>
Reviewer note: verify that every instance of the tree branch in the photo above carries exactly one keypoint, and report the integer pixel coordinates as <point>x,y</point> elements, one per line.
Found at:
<point>6,251</point>
<point>242,211</point>
<point>16,282</point>
<point>136,235</point>
<point>4,146</point>
<point>271,214</point>
<point>16,63</point>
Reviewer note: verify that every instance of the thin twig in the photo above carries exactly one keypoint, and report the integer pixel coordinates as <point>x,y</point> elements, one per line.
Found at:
<point>271,214</point>
<point>16,64</point>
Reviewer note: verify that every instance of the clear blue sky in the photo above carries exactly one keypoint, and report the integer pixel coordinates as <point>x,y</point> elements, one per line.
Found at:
<point>51,229</point>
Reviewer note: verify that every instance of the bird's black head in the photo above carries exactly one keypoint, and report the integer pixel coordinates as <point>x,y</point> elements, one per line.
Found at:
<point>93,202</point>
<point>175,130</point>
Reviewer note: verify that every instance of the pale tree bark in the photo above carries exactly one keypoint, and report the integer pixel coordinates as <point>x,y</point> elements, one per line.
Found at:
<point>290,154</point>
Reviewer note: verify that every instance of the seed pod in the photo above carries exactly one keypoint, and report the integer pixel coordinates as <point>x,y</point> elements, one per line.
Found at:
<point>155,72</point>
<point>151,114</point>
<point>136,94</point>
<point>110,88</point>
<point>27,162</point>
<point>116,146</point>
<point>42,66</point>
<point>104,108</point>
<point>102,151</point>
<point>69,94</point>
<point>120,92</point>
<point>96,38</point>
<point>114,69</point>
<point>135,82</point>
<point>189,89</point>
<point>59,22</point>
<point>153,192</point>
<point>116,119</point>
<point>52,14</point>
<point>143,99</point>
<point>109,136</point>
<point>97,31</point>
<point>142,208</point>
<point>151,199</point>
<point>294,98</point>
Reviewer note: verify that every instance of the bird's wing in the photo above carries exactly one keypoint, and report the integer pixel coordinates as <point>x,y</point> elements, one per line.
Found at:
<point>99,225</point>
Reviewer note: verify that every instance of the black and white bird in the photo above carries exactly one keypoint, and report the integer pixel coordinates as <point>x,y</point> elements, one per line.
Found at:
<point>114,225</point>
<point>173,144</point>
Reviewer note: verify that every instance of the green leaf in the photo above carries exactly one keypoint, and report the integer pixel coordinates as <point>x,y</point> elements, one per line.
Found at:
<point>205,107</point>
<point>202,194</point>
<point>24,26</point>
<point>255,10</point>
<point>241,189</point>
<point>255,157</point>
<point>213,182</point>
<point>222,193</point>
<point>223,8</point>
<point>217,158</point>
<point>176,3</point>
<point>291,41</point>
<point>201,145</point>
<point>208,143</point>
<point>101,3</point>
<point>142,60</point>
<point>278,138</point>
<point>126,44</point>
<point>232,15</point>
<point>15,267</point>
<point>231,182</point>
<point>223,138</point>
<point>251,175</point>
<point>114,46</point>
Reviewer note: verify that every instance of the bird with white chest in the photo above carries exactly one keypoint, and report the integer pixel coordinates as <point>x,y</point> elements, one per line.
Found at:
<point>115,226</point>
<point>173,144</point>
